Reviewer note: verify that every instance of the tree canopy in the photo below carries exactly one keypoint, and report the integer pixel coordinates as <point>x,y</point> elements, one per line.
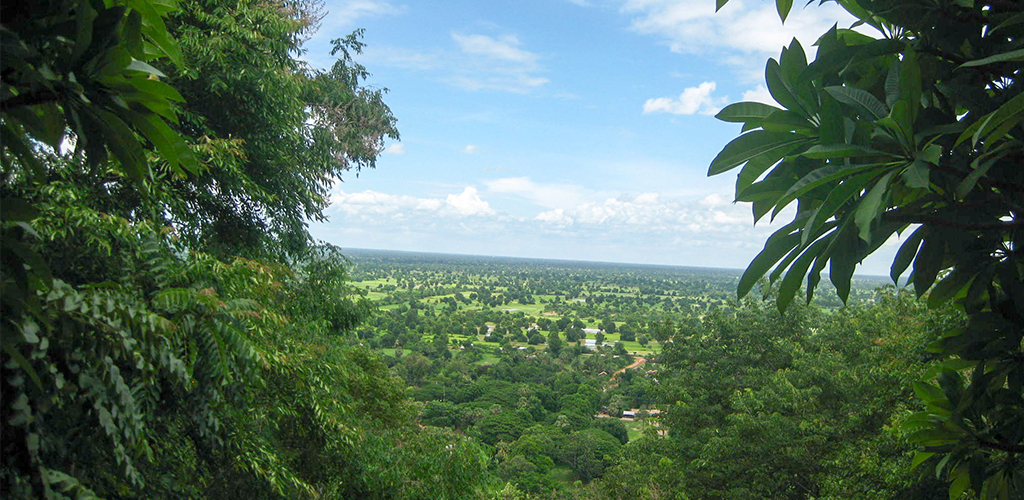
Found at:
<point>913,130</point>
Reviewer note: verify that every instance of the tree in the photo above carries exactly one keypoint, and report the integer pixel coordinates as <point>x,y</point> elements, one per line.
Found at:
<point>917,132</point>
<point>554,343</point>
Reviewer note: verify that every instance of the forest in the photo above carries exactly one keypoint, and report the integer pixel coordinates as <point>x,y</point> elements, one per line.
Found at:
<point>171,330</point>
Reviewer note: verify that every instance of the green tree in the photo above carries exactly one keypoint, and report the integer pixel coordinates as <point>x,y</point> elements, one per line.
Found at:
<point>917,132</point>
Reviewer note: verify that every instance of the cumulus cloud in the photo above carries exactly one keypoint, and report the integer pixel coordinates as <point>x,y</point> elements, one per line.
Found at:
<point>377,207</point>
<point>469,203</point>
<point>395,149</point>
<point>760,94</point>
<point>741,32</point>
<point>469,149</point>
<point>693,100</point>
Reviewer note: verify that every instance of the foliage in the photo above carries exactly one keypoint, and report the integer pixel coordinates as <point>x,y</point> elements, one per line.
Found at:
<point>919,132</point>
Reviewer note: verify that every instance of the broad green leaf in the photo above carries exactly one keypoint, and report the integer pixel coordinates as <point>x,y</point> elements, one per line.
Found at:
<point>928,262</point>
<point>17,209</point>
<point>1012,56</point>
<point>783,7</point>
<point>751,145</point>
<point>844,260</point>
<point>920,457</point>
<point>929,393</point>
<point>840,150</point>
<point>1011,110</point>
<point>719,4</point>
<point>741,112</point>
<point>778,88</point>
<point>834,201</point>
<point>860,99</point>
<point>755,167</point>
<point>916,175</point>
<point>870,206</point>
<point>820,177</point>
<point>905,255</point>
<point>141,67</point>
<point>795,275</point>
<point>961,480</point>
<point>979,170</point>
<point>778,245</point>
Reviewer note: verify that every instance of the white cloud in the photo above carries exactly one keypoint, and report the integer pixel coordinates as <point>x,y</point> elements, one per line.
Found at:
<point>503,48</point>
<point>544,195</point>
<point>554,217</point>
<point>496,63</point>
<point>395,149</point>
<point>400,57</point>
<point>469,149</point>
<point>760,94</point>
<point>742,33</point>
<point>347,12</point>
<point>375,207</point>
<point>693,100</point>
<point>469,203</point>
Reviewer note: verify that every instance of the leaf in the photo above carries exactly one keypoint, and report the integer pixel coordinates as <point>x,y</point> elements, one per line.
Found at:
<point>860,99</point>
<point>841,150</point>
<point>778,88</point>
<point>1012,56</point>
<point>906,254</point>
<point>928,262</point>
<point>23,363</point>
<point>844,260</point>
<point>17,209</point>
<point>141,67</point>
<point>791,283</point>
<point>820,177</point>
<point>920,457</point>
<point>916,175</point>
<point>836,199</point>
<point>1011,110</point>
<point>755,167</point>
<point>779,244</point>
<point>741,112</point>
<point>870,206</point>
<point>751,145</point>
<point>961,480</point>
<point>783,7</point>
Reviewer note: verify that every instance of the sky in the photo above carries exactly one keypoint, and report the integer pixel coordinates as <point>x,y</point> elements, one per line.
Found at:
<point>562,129</point>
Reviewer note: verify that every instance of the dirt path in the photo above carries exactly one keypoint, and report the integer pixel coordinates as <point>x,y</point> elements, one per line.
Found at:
<point>639,361</point>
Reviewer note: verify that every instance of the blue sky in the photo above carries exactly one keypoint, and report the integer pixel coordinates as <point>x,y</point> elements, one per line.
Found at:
<point>560,129</point>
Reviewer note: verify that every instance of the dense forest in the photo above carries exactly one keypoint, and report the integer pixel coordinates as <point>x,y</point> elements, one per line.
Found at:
<point>170,329</point>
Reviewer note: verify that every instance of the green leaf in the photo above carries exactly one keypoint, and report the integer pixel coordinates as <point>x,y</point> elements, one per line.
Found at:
<point>719,4</point>
<point>23,363</point>
<point>820,177</point>
<point>142,67</point>
<point>779,244</point>
<point>866,103</point>
<point>783,7</point>
<point>1011,110</point>
<point>920,457</point>
<point>1012,56</point>
<point>961,480</point>
<point>841,150</point>
<point>791,283</point>
<point>755,167</point>
<point>929,393</point>
<point>929,261</point>
<point>916,175</point>
<point>17,209</point>
<point>844,260</point>
<point>751,145</point>
<point>741,112</point>
<point>834,201</point>
<point>870,206</point>
<point>778,88</point>
<point>906,254</point>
